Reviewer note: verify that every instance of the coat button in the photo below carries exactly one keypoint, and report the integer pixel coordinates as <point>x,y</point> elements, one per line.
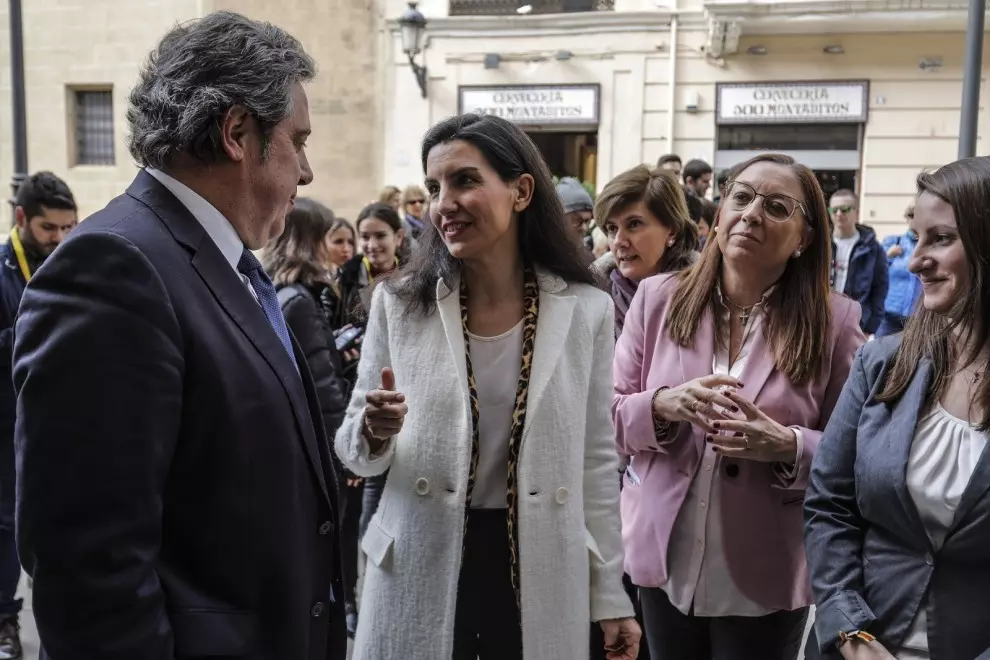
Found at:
<point>317,610</point>
<point>732,470</point>
<point>422,486</point>
<point>562,495</point>
<point>326,528</point>
<point>929,559</point>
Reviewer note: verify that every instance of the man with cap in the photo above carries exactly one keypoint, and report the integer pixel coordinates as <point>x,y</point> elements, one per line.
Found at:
<point>578,206</point>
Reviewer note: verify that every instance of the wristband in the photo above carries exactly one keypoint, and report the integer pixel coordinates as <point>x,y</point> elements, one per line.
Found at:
<point>860,635</point>
<point>661,426</point>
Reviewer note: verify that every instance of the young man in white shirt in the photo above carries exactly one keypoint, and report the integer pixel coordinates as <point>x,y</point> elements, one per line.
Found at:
<point>859,265</point>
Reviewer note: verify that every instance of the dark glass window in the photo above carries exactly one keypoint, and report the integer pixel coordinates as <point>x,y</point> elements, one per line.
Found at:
<point>94,127</point>
<point>789,137</point>
<point>510,7</point>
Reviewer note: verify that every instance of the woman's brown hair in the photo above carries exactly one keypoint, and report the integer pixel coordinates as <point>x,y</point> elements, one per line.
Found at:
<point>663,197</point>
<point>299,254</point>
<point>797,335</point>
<point>965,186</point>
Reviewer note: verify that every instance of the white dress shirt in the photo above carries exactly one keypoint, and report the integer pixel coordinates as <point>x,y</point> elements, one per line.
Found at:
<point>217,227</point>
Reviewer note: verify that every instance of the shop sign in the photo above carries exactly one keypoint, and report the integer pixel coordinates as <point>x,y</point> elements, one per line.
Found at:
<point>532,105</point>
<point>803,102</point>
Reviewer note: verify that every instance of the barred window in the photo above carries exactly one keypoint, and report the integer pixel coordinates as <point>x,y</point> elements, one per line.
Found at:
<point>94,127</point>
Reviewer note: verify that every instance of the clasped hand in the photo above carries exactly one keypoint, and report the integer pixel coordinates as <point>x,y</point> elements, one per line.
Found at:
<point>733,424</point>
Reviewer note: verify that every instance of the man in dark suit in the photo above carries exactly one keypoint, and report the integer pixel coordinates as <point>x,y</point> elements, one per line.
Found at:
<point>176,497</point>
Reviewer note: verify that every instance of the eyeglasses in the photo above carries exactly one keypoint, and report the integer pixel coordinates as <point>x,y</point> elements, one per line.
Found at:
<point>845,208</point>
<point>778,207</point>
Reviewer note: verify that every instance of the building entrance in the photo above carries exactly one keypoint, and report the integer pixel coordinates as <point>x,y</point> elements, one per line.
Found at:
<point>569,153</point>
<point>832,180</point>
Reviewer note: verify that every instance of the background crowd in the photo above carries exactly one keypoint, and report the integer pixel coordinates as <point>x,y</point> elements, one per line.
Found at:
<point>660,422</point>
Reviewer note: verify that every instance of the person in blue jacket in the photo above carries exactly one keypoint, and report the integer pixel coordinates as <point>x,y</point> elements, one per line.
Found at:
<point>905,287</point>
<point>859,265</point>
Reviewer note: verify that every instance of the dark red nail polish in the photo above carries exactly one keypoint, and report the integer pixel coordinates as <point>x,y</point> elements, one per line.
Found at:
<point>716,424</point>
<point>734,409</point>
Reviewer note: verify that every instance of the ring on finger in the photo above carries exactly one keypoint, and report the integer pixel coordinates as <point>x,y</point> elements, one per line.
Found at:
<point>698,405</point>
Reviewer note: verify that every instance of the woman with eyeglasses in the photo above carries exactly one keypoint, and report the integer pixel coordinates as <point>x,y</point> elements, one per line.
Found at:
<point>898,508</point>
<point>904,287</point>
<point>725,375</point>
<point>413,210</point>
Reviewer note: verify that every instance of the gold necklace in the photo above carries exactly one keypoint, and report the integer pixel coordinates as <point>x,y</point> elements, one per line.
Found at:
<point>744,312</point>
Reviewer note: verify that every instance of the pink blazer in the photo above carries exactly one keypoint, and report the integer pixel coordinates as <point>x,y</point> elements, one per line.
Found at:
<point>761,513</point>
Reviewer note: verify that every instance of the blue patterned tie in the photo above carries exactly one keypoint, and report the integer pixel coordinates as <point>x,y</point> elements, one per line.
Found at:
<point>265,290</point>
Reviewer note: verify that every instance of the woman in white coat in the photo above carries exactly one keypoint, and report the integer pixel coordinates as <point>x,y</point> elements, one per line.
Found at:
<point>484,388</point>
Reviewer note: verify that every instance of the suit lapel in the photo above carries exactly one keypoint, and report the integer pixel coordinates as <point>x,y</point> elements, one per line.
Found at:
<point>230,293</point>
<point>449,306</point>
<point>552,328</point>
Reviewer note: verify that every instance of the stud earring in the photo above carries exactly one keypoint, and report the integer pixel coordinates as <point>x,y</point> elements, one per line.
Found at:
<point>671,241</point>
<point>797,253</point>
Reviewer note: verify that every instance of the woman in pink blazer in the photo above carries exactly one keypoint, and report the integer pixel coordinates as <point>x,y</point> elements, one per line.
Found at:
<point>725,376</point>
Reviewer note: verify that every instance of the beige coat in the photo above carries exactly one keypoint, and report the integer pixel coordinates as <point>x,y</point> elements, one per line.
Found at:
<point>569,530</point>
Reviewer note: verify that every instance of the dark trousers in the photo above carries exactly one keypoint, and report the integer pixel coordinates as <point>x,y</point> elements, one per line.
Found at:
<point>373,487</point>
<point>350,520</point>
<point>675,636</point>
<point>10,566</point>
<point>487,622</point>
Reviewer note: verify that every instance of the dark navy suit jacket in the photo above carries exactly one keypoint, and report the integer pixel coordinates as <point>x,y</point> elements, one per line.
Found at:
<point>869,556</point>
<point>175,495</point>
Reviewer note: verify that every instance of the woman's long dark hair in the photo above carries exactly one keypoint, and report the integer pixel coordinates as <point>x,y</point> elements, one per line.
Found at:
<point>299,253</point>
<point>544,239</point>
<point>965,186</point>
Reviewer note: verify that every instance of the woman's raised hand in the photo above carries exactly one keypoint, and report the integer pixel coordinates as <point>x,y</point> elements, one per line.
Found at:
<point>384,412</point>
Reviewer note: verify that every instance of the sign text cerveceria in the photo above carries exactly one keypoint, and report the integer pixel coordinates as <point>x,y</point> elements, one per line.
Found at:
<point>791,102</point>
<point>518,105</point>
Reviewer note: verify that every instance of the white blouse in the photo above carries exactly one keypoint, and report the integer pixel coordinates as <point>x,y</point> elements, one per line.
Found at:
<point>496,362</point>
<point>944,454</point>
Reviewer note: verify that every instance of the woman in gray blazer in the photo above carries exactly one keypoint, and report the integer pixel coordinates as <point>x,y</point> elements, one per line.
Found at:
<point>898,510</point>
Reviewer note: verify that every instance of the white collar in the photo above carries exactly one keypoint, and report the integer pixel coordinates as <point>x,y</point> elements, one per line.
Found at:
<point>216,225</point>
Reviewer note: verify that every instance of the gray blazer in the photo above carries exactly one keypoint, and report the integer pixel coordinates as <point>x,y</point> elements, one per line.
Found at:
<point>869,557</point>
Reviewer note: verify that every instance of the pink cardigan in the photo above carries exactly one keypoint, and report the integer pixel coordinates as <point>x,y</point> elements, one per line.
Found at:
<point>761,514</point>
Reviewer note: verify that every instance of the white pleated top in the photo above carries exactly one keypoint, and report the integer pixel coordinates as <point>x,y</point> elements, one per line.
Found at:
<point>944,454</point>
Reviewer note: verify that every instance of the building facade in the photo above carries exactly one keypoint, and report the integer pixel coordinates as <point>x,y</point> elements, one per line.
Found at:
<point>82,59</point>
<point>865,92</point>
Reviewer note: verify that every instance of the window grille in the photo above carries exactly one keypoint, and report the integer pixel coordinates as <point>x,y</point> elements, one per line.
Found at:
<point>94,127</point>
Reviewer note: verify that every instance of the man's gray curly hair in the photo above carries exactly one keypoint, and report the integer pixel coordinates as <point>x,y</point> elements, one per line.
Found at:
<point>202,69</point>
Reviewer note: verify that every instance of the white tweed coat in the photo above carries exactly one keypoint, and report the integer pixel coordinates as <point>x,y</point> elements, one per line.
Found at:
<point>570,544</point>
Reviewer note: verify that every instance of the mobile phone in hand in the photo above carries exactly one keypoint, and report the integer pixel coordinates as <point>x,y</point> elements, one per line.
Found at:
<point>348,338</point>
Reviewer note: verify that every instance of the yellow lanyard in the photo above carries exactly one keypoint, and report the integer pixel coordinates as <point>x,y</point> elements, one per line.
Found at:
<point>367,267</point>
<point>15,242</point>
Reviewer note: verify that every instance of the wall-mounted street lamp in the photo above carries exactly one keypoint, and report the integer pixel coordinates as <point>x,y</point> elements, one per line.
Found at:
<point>413,29</point>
